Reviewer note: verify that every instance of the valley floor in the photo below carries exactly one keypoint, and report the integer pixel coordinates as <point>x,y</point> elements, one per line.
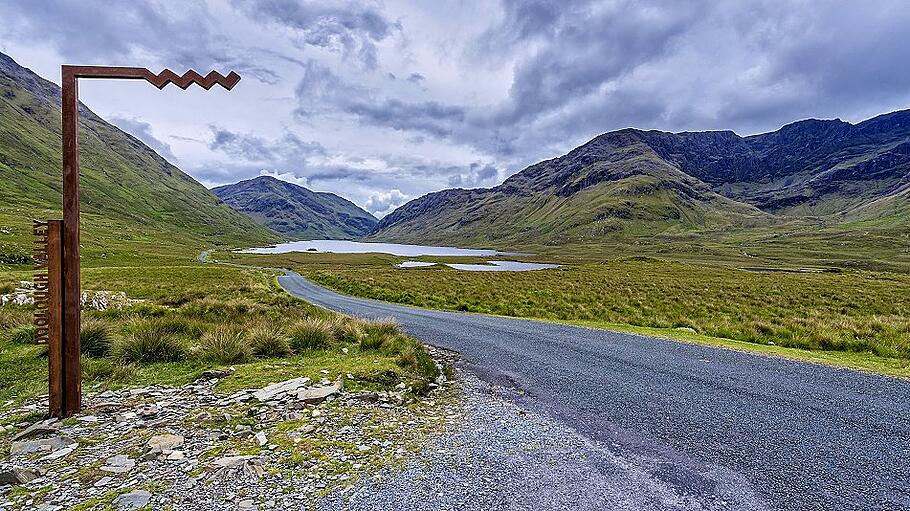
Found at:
<point>856,318</point>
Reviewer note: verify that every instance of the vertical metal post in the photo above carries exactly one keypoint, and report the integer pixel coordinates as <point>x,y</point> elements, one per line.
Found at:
<point>72,292</point>
<point>55,321</point>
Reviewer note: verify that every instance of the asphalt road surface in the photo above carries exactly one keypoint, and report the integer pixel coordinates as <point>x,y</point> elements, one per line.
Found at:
<point>795,436</point>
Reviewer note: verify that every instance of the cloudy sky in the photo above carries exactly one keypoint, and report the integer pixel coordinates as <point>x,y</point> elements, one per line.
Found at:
<point>383,101</point>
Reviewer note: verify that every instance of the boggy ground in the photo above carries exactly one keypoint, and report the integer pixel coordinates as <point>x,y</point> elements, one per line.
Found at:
<point>840,311</point>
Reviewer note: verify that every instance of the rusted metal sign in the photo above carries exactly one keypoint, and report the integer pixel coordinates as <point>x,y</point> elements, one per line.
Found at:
<point>48,288</point>
<point>40,282</point>
<point>69,308</point>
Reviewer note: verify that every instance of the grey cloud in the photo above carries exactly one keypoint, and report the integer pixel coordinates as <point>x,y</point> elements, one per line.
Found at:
<point>322,89</point>
<point>340,174</point>
<point>416,78</point>
<point>143,131</point>
<point>585,67</point>
<point>89,30</point>
<point>349,28</point>
<point>477,174</point>
<point>289,150</point>
<point>577,61</point>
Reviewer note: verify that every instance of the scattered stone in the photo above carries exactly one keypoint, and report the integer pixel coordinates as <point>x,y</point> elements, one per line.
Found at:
<point>231,461</point>
<point>278,390</point>
<point>215,374</point>
<point>133,500</point>
<point>165,442</point>
<point>59,454</point>
<point>106,407</point>
<point>261,439</point>
<point>119,464</point>
<point>368,397</point>
<point>316,395</point>
<point>176,456</point>
<point>53,443</point>
<point>36,430</point>
<point>104,481</point>
<point>18,476</point>
<point>247,505</point>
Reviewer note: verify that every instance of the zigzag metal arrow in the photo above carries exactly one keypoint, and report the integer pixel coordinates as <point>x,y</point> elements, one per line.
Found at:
<point>160,80</point>
<point>190,77</point>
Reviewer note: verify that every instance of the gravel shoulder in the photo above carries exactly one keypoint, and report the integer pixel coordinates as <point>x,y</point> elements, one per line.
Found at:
<point>502,456</point>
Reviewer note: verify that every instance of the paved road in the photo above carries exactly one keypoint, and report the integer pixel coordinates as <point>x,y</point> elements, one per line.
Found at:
<point>797,436</point>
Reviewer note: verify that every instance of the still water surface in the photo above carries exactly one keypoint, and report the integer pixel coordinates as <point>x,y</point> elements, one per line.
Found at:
<point>490,266</point>
<point>359,247</point>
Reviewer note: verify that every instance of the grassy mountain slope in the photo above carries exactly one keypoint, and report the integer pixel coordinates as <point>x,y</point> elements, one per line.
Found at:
<point>130,195</point>
<point>613,186</point>
<point>296,211</point>
<point>634,182</point>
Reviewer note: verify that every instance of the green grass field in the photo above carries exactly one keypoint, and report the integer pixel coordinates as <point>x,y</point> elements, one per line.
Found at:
<point>196,317</point>
<point>847,316</point>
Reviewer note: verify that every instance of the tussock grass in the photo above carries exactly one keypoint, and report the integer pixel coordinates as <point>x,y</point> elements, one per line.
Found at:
<point>24,334</point>
<point>198,317</point>
<point>312,334</point>
<point>96,337</point>
<point>106,369</point>
<point>146,346</point>
<point>214,309</point>
<point>225,345</point>
<point>378,334</point>
<point>268,341</point>
<point>14,317</point>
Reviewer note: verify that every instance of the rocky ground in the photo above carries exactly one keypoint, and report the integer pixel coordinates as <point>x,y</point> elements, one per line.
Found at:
<point>298,444</point>
<point>289,445</point>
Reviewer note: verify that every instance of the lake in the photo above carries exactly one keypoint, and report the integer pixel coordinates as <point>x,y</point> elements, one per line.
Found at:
<point>359,247</point>
<point>491,266</point>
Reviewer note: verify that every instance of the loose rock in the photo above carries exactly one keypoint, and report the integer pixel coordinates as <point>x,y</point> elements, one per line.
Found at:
<point>133,500</point>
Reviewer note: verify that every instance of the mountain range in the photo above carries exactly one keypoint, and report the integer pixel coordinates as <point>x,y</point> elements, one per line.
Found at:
<point>634,182</point>
<point>295,211</point>
<point>622,183</point>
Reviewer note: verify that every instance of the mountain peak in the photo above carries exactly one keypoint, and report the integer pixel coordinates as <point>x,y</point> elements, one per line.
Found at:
<point>295,210</point>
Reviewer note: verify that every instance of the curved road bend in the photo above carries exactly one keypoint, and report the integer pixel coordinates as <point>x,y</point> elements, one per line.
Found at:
<point>798,436</point>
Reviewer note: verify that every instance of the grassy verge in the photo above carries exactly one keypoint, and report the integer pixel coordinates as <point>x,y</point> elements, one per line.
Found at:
<point>197,317</point>
<point>848,317</point>
<point>895,367</point>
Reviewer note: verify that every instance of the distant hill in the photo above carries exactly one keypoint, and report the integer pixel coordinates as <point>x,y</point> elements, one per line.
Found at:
<point>126,187</point>
<point>296,211</point>
<point>635,182</point>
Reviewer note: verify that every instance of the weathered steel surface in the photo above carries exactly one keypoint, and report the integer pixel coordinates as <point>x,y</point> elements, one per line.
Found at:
<point>69,308</point>
<point>56,375</point>
<point>159,80</point>
<point>72,290</point>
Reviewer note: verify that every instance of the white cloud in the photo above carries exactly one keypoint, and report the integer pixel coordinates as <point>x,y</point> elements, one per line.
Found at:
<point>383,203</point>
<point>284,176</point>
